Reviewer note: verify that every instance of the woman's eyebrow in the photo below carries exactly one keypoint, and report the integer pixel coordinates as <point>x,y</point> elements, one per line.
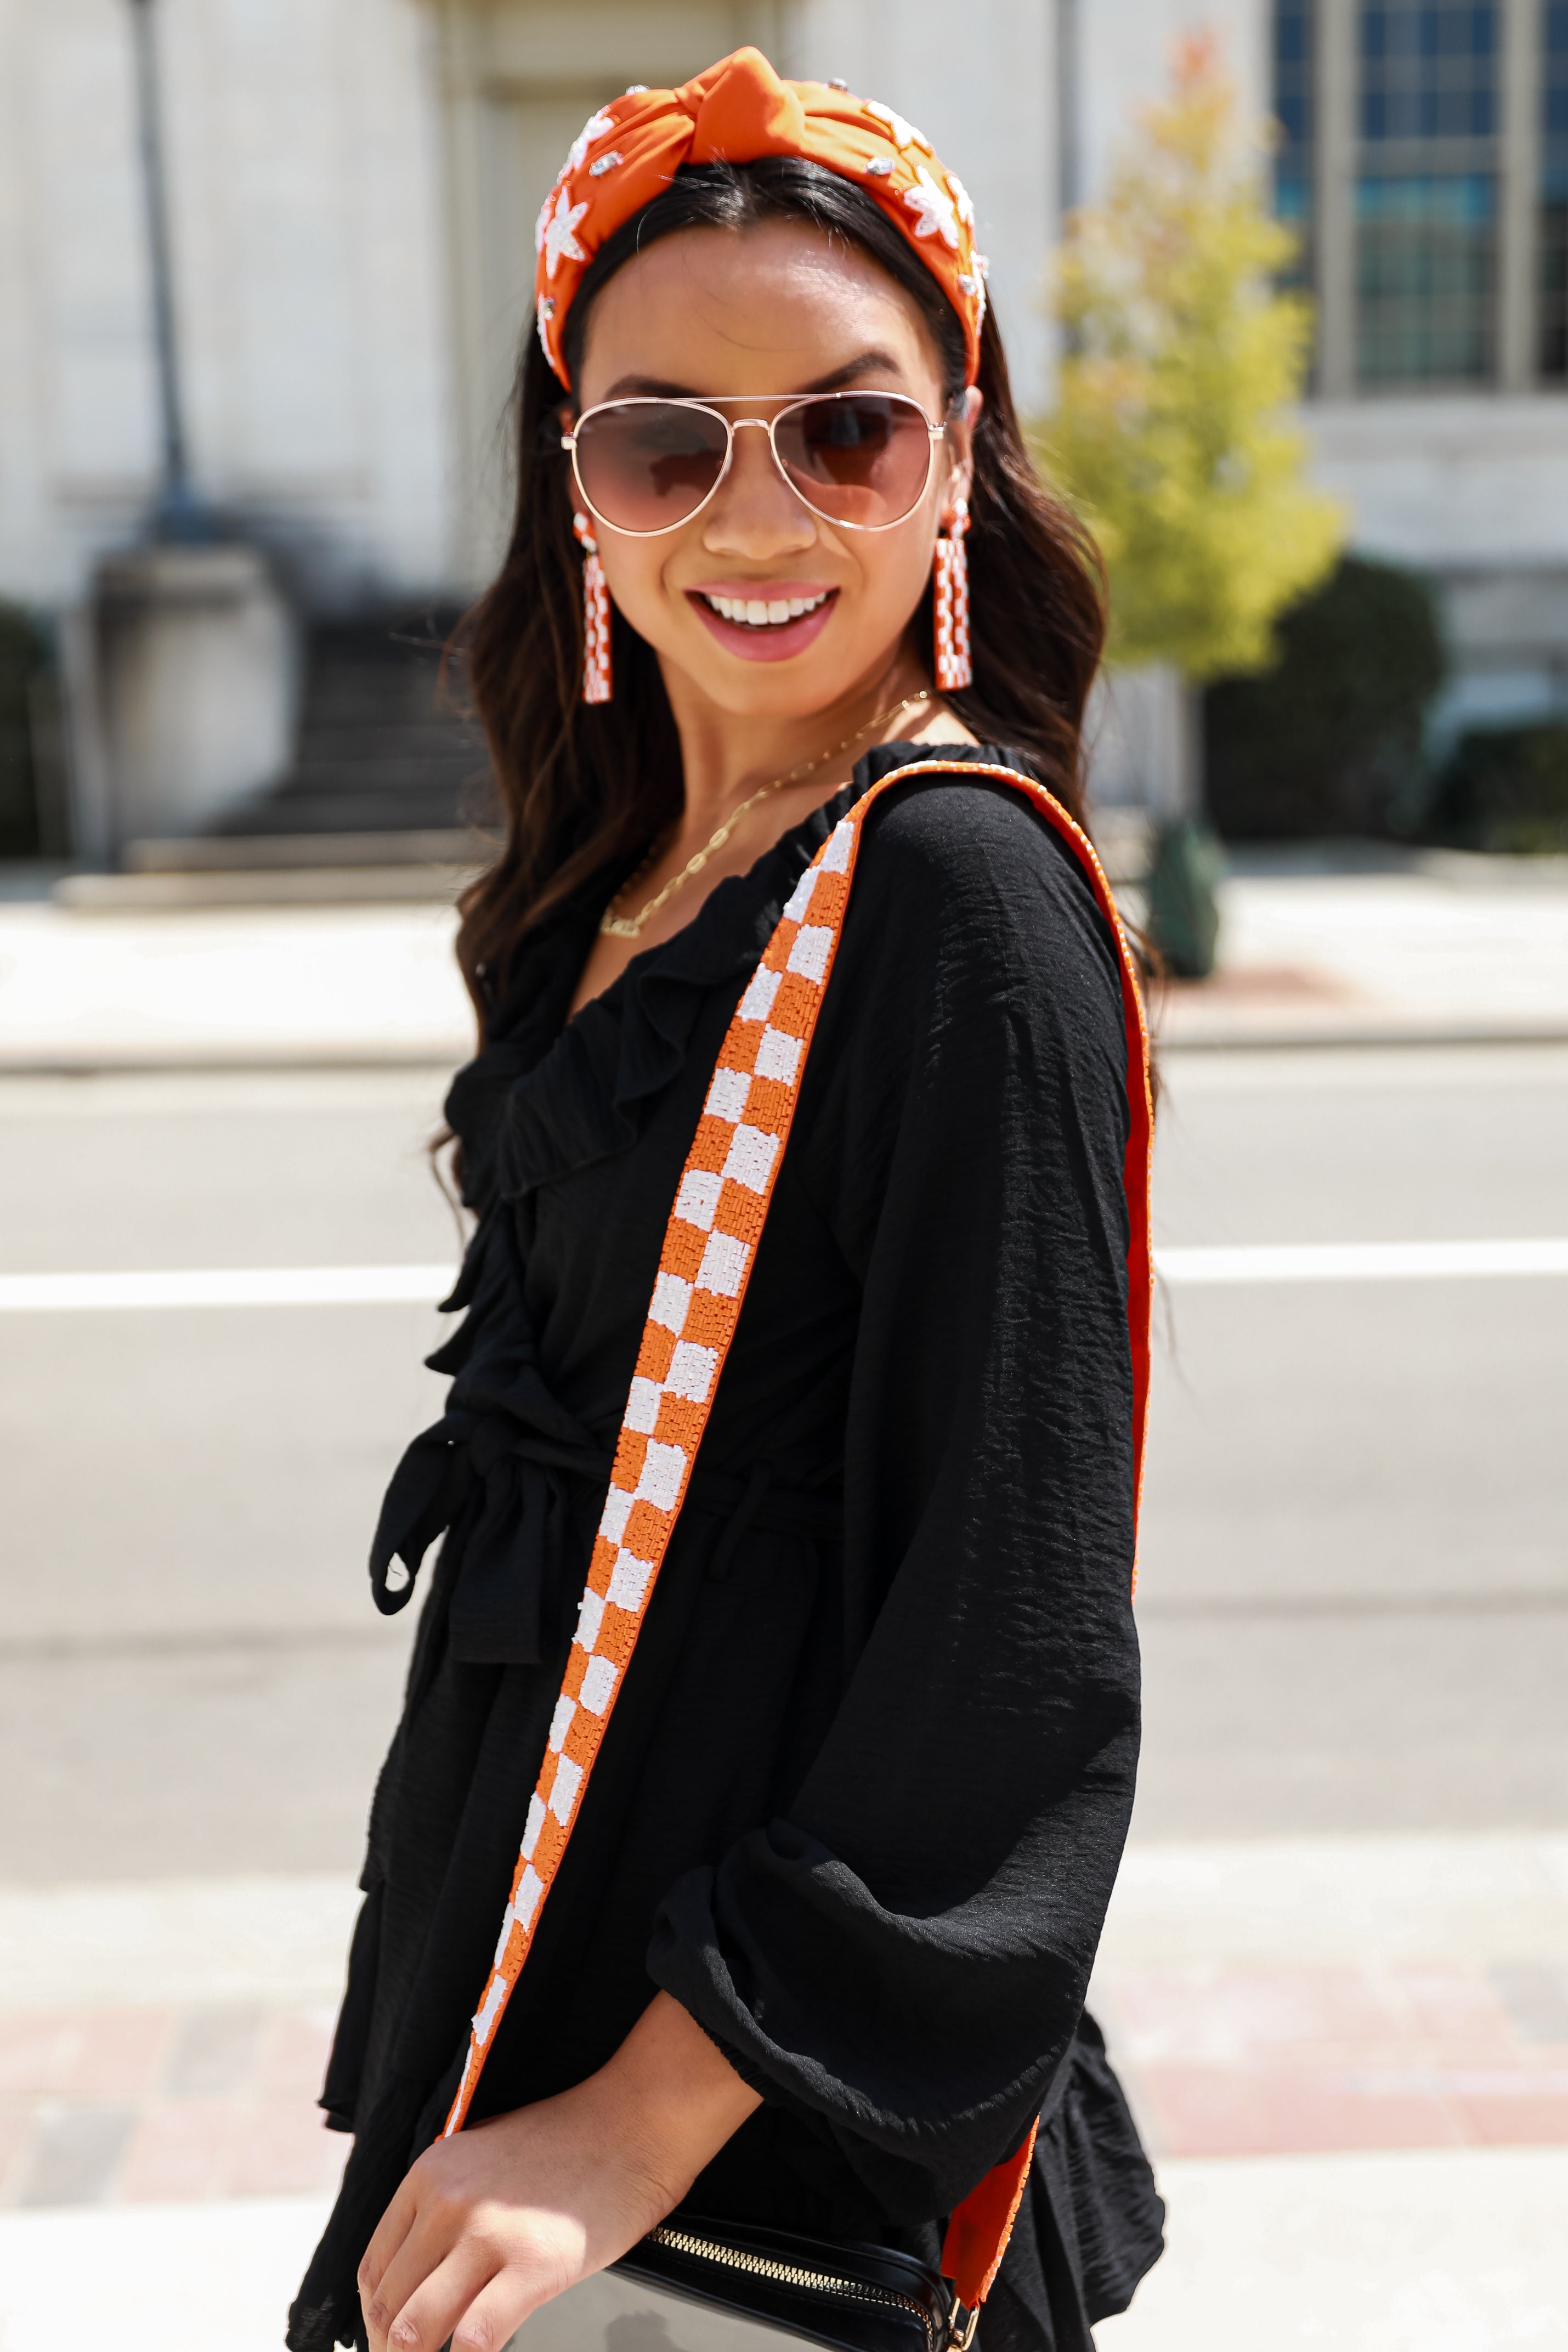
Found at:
<point>648,387</point>
<point>873,361</point>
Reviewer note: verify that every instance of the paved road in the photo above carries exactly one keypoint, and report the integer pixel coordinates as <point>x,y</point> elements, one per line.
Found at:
<point>1355,1588</point>
<point>1355,1595</point>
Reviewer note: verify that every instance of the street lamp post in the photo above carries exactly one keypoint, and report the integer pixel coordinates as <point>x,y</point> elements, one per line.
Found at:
<point>188,671</point>
<point>180,515</point>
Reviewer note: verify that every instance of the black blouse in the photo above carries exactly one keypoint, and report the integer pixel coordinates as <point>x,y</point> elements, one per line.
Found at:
<point>861,1802</point>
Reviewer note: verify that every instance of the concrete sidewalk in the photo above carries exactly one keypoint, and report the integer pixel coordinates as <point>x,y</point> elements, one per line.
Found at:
<point>229,987</point>
<point>1349,2057</point>
<point>1457,949</point>
<point>1450,948</point>
<point>1413,2252</point>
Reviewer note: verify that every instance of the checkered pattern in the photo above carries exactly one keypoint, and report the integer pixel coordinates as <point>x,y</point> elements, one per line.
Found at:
<point>950,616</point>
<point>709,1248</point>
<point>596,678</point>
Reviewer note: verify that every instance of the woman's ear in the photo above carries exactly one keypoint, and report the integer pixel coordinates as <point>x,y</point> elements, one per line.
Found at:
<point>962,419</point>
<point>566,418</point>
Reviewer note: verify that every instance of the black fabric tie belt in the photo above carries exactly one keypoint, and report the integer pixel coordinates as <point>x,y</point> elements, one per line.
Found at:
<point>513,1496</point>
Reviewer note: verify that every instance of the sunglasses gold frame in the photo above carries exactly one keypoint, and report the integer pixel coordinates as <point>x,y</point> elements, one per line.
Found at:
<point>709,407</point>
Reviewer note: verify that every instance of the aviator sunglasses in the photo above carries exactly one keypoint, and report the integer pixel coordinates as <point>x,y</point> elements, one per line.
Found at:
<point>860,459</point>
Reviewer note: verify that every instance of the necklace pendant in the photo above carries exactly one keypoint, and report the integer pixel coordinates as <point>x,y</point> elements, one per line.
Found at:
<point>620,927</point>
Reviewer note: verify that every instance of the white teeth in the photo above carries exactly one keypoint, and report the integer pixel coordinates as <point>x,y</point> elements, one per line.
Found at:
<point>753,612</point>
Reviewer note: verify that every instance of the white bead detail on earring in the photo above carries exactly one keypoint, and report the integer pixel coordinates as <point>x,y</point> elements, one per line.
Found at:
<point>950,604</point>
<point>595,616</point>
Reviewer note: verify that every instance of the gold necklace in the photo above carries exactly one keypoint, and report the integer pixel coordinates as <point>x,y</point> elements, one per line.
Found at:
<point>612,926</point>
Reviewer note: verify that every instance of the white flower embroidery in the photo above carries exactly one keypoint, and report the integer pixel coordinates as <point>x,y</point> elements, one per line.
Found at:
<point>543,221</point>
<point>961,201</point>
<point>559,241</point>
<point>933,209</point>
<point>904,133</point>
<point>594,128</point>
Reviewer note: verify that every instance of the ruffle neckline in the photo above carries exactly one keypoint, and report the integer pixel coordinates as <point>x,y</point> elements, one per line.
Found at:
<point>548,1094</point>
<point>545,1097</point>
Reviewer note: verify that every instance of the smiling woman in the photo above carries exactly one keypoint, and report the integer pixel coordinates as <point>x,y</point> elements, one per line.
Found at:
<point>805,1332</point>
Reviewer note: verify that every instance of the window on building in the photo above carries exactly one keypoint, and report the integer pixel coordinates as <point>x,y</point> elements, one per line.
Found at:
<point>1294,98</point>
<point>1425,294</point>
<point>1426,211</point>
<point>1553,281</point>
<point>1422,159</point>
<point>1428,71</point>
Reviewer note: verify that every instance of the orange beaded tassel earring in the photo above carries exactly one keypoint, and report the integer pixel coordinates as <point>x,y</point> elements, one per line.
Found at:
<point>951,605</point>
<point>595,616</point>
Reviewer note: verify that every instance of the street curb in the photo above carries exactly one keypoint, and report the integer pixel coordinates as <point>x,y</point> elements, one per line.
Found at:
<point>282,1061</point>
<point>1385,1034</point>
<point>337,1053</point>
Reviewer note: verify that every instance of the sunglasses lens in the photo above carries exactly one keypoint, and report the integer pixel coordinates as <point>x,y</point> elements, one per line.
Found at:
<point>860,458</point>
<point>646,464</point>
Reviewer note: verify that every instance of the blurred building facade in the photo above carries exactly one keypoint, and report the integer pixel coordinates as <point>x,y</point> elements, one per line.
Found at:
<point>353,184</point>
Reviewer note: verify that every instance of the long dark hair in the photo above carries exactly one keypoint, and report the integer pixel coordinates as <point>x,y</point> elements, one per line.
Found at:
<point>582,787</point>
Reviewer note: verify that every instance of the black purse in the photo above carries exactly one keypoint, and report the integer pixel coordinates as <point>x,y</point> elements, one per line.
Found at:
<point>851,2298</point>
<point>696,2285</point>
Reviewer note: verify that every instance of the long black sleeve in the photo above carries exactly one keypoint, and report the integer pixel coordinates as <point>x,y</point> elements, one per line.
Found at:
<point>902,1956</point>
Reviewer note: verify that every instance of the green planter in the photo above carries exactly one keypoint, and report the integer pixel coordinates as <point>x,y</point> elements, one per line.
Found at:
<point>1183,919</point>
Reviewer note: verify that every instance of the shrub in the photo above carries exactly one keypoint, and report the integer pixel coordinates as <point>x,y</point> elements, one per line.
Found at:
<point>1331,739</point>
<point>1505,788</point>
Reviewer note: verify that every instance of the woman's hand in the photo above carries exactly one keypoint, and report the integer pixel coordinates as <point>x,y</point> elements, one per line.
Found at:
<point>491,2223</point>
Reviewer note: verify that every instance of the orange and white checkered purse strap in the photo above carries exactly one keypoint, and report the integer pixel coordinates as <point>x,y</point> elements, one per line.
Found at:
<point>710,1246</point>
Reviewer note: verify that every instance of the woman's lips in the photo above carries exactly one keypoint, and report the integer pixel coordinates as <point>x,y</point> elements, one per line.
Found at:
<point>770,640</point>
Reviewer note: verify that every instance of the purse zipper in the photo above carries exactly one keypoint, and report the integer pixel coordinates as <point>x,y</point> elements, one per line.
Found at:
<point>680,2241</point>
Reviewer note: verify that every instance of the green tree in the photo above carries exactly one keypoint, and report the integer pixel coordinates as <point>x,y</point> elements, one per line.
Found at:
<point>1182,356</point>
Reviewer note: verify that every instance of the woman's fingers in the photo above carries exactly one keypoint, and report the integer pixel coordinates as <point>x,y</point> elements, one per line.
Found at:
<point>497,2313</point>
<point>433,2307</point>
<point>389,2232</point>
<point>435,2231</point>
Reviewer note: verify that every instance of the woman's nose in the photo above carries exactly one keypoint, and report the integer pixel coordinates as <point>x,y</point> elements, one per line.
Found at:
<point>757,514</point>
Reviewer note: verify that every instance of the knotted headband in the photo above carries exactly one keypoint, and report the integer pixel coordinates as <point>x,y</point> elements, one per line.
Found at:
<point>738,111</point>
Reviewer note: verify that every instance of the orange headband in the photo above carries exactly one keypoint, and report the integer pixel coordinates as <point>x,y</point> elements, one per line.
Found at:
<point>629,153</point>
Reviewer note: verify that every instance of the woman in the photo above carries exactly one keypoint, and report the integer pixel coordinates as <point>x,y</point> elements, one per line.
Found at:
<point>816,1954</point>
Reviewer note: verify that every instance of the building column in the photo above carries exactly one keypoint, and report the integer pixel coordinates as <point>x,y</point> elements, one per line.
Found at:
<point>1336,135</point>
<point>1069,110</point>
<point>1518,191</point>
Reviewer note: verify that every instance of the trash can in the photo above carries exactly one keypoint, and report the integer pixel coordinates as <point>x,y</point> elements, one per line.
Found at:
<point>197,686</point>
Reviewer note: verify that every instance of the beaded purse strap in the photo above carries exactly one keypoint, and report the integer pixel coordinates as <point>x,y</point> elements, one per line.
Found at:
<point>710,1246</point>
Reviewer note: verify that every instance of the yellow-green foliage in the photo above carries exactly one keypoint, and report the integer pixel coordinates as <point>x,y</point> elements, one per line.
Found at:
<point>1169,432</point>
